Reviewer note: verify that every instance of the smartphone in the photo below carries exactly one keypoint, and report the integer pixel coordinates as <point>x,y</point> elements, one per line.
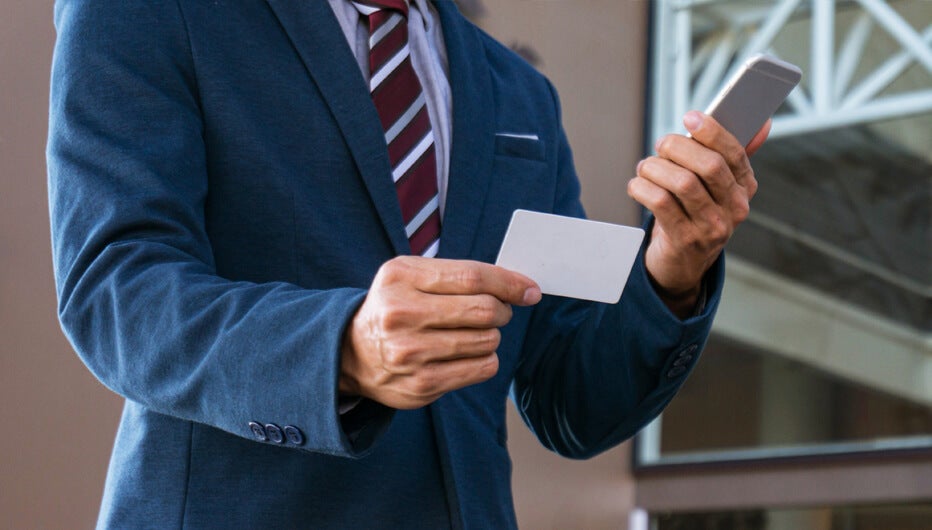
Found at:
<point>753,94</point>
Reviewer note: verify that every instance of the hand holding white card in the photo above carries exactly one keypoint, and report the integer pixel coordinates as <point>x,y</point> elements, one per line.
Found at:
<point>571,257</point>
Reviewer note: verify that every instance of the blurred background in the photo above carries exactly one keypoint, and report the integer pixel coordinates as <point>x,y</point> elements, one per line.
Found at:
<point>812,406</point>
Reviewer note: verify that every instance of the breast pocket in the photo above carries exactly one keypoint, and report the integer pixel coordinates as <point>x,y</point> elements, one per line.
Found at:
<point>521,179</point>
<point>520,145</point>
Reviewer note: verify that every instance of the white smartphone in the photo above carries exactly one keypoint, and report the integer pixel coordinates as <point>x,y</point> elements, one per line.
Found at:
<point>753,94</point>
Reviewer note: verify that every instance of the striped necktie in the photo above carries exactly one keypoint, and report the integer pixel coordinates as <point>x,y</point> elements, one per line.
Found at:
<point>402,108</point>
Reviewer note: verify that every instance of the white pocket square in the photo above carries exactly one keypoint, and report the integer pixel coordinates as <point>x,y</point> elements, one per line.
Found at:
<point>525,136</point>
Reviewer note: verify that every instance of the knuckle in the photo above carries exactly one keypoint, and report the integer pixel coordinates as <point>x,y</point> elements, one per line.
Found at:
<point>470,278</point>
<point>506,314</point>
<point>394,358</point>
<point>713,165</point>
<point>489,311</point>
<point>423,386</point>
<point>751,185</point>
<point>692,240</point>
<point>664,202</point>
<point>485,309</point>
<point>741,210</point>
<point>490,368</point>
<point>394,270</point>
<point>738,155</point>
<point>649,166</point>
<point>662,145</point>
<point>491,340</point>
<point>719,233</point>
<point>393,317</point>
<point>684,184</point>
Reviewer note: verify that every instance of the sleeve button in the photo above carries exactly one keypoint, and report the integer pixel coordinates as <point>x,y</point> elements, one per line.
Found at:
<point>275,433</point>
<point>682,360</point>
<point>676,371</point>
<point>294,435</point>
<point>258,431</point>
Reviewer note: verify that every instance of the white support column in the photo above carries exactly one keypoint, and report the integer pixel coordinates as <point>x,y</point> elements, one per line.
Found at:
<point>639,520</point>
<point>823,44</point>
<point>649,441</point>
<point>662,78</point>
<point>681,67</point>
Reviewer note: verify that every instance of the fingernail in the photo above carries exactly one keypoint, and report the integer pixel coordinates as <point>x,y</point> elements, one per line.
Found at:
<point>657,144</point>
<point>692,120</point>
<point>532,296</point>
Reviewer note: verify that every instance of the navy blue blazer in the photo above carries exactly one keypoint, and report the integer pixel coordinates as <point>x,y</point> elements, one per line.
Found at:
<point>221,199</point>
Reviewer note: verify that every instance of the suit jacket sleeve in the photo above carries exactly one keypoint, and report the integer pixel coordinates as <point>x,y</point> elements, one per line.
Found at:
<point>593,374</point>
<point>139,295</point>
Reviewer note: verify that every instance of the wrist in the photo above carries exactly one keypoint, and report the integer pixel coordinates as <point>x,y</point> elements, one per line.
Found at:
<point>680,301</point>
<point>347,383</point>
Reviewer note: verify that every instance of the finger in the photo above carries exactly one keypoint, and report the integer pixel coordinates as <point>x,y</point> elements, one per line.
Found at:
<point>708,132</point>
<point>759,138</point>
<point>400,309</point>
<point>478,311</point>
<point>687,188</point>
<point>407,355</point>
<point>664,205</point>
<point>710,167</point>
<point>454,344</point>
<point>462,277</point>
<point>441,377</point>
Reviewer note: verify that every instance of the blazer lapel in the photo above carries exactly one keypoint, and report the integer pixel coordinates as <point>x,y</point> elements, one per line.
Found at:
<point>473,133</point>
<point>319,41</point>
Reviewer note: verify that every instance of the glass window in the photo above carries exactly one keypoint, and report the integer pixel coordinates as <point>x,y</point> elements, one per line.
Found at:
<point>754,404</point>
<point>823,340</point>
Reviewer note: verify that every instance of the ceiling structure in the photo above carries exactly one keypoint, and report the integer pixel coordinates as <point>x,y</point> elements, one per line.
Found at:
<point>834,265</point>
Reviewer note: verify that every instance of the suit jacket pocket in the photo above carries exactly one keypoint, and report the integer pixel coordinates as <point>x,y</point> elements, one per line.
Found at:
<point>520,146</point>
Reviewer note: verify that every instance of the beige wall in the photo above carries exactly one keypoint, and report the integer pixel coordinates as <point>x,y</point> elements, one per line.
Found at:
<point>594,52</point>
<point>60,422</point>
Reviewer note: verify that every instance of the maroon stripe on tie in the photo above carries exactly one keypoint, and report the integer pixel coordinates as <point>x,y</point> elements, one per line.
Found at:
<point>378,19</point>
<point>388,47</point>
<point>425,236</point>
<point>396,93</point>
<point>408,138</point>
<point>413,194</point>
<point>398,5</point>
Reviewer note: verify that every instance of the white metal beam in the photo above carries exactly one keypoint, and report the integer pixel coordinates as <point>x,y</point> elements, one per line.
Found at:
<point>900,30</point>
<point>890,107</point>
<point>830,102</point>
<point>808,326</point>
<point>850,54</point>
<point>882,76</point>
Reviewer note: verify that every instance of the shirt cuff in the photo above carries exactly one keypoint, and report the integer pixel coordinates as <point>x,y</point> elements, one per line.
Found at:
<point>347,403</point>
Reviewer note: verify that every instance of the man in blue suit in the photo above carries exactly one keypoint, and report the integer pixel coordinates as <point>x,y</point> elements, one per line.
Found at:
<point>231,256</point>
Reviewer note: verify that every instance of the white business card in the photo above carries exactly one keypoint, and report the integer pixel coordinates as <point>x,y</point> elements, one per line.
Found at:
<point>571,257</point>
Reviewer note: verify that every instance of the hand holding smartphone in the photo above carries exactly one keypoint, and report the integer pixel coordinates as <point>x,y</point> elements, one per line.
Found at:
<point>753,94</point>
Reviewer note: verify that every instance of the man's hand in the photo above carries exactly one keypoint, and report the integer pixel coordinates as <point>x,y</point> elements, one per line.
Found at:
<point>699,190</point>
<point>427,327</point>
